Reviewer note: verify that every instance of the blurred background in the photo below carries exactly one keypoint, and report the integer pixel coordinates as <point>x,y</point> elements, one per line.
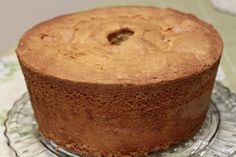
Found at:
<point>19,15</point>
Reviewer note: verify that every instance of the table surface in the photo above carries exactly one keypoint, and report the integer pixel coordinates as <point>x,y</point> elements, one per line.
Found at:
<point>18,16</point>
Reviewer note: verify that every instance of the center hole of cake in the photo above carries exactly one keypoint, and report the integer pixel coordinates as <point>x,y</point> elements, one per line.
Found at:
<point>119,36</point>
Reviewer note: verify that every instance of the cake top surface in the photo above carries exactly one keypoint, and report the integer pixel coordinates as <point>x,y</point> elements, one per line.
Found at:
<point>113,45</point>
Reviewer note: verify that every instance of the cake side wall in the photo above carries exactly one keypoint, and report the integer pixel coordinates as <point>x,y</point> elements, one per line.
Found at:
<point>98,119</point>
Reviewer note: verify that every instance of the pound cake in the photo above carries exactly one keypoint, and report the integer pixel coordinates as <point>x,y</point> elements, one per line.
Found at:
<point>120,81</point>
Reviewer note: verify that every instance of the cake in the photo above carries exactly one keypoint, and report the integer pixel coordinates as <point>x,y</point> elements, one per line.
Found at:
<point>120,81</point>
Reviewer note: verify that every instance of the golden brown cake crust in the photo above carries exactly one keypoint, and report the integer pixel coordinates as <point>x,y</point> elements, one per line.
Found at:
<point>96,96</point>
<point>166,45</point>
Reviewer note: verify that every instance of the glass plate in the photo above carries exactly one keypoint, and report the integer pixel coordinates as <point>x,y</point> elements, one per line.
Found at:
<point>216,138</point>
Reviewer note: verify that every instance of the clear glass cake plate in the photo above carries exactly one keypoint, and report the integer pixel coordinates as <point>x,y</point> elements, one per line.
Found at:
<point>216,138</point>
